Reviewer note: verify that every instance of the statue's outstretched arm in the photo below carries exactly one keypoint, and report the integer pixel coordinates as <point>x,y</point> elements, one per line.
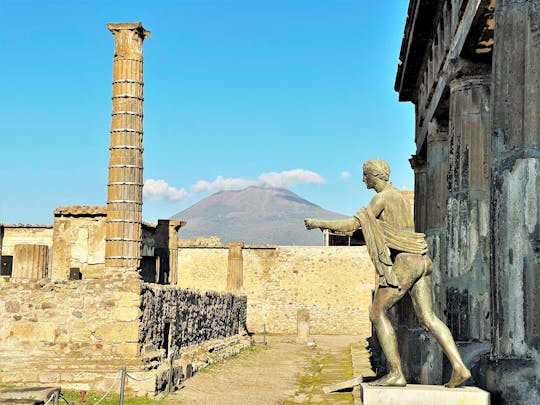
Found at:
<point>343,225</point>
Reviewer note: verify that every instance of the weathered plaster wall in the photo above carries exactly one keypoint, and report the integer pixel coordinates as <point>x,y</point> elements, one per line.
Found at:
<point>24,235</point>
<point>78,242</point>
<point>334,283</point>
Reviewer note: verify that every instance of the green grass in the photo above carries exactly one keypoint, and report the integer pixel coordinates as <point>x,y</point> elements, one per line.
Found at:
<point>73,397</point>
<point>217,365</point>
<point>323,369</point>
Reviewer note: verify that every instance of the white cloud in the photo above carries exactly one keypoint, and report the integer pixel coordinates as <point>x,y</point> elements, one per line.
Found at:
<point>285,179</point>
<point>289,178</point>
<point>345,174</point>
<point>221,183</point>
<point>159,190</point>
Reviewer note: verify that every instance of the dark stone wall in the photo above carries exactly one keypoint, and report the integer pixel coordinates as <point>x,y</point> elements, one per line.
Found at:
<point>175,318</point>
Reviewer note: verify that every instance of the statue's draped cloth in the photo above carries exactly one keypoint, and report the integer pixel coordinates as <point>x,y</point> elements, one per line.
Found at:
<point>380,237</point>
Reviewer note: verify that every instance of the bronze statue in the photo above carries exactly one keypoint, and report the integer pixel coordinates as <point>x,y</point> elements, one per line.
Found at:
<point>400,258</point>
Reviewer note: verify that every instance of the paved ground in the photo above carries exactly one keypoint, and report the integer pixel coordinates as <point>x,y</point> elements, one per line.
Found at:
<point>283,372</point>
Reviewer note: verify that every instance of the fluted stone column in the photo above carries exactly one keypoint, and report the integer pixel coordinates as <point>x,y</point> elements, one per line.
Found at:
<point>516,180</point>
<point>468,243</point>
<point>235,269</point>
<point>424,347</point>
<point>30,262</point>
<point>418,164</point>
<point>124,197</point>
<point>515,202</point>
<point>437,172</point>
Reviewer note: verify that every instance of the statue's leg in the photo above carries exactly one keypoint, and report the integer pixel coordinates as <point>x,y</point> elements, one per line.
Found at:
<point>423,306</point>
<point>384,299</point>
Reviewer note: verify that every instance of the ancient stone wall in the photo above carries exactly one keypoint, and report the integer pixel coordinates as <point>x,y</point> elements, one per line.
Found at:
<point>74,333</point>
<point>79,334</point>
<point>174,319</point>
<point>334,283</point>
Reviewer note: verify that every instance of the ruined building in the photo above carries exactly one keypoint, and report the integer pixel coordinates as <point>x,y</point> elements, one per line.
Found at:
<point>88,296</point>
<point>472,70</point>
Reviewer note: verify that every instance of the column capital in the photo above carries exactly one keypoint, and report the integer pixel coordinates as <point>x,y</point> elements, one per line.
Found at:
<point>462,72</point>
<point>136,27</point>
<point>437,131</point>
<point>236,245</point>
<point>418,163</point>
<point>128,39</point>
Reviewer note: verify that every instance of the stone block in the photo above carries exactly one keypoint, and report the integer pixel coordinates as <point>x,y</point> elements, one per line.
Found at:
<point>13,307</point>
<point>24,330</point>
<point>423,395</point>
<point>93,271</point>
<point>49,377</point>
<point>128,298</point>
<point>126,314</point>
<point>45,332</point>
<point>37,394</point>
<point>118,332</point>
<point>129,350</point>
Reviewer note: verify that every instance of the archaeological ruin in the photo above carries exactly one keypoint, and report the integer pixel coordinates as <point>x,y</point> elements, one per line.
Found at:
<point>101,289</point>
<point>95,292</point>
<point>472,70</point>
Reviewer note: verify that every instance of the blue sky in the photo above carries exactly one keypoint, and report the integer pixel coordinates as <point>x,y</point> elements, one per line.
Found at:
<point>294,93</point>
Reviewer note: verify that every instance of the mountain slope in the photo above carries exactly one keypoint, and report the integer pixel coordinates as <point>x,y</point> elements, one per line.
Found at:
<point>254,215</point>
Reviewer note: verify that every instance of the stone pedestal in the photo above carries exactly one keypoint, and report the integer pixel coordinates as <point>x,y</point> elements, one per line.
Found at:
<point>302,325</point>
<point>423,395</point>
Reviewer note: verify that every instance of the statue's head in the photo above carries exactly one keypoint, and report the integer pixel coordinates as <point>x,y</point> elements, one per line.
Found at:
<point>375,170</point>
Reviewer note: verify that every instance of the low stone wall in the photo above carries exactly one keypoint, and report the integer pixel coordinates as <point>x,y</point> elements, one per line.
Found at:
<point>72,333</point>
<point>80,334</point>
<point>183,331</point>
<point>333,283</point>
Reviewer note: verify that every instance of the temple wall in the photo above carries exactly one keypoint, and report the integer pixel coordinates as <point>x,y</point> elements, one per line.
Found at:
<point>515,208</point>
<point>334,283</point>
<point>477,120</point>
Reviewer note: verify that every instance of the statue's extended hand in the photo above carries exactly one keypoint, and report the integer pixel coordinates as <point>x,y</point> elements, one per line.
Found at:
<point>311,223</point>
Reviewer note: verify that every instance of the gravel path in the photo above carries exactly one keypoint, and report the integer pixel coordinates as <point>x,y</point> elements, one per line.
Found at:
<point>265,375</point>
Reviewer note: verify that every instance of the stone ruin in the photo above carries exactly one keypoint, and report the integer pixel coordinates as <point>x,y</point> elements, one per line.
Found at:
<point>103,299</point>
